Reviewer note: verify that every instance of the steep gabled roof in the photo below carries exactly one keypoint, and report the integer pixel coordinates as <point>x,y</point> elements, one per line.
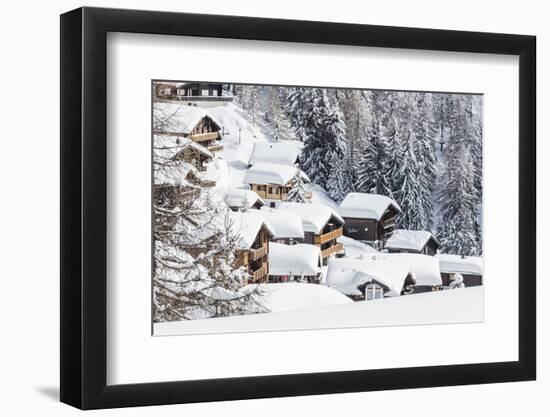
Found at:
<point>247,225</point>
<point>347,275</point>
<point>366,206</point>
<point>266,173</point>
<point>179,118</point>
<point>287,225</point>
<point>314,216</point>
<point>283,153</point>
<point>168,146</point>
<point>413,240</point>
<point>239,197</point>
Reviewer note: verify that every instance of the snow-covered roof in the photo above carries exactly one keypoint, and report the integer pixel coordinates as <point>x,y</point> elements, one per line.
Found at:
<point>300,259</point>
<point>314,216</point>
<point>346,275</point>
<point>238,197</point>
<point>180,118</point>
<point>287,225</point>
<point>424,268</point>
<point>283,153</point>
<point>366,206</point>
<point>455,263</point>
<point>267,173</point>
<point>168,146</point>
<point>175,173</point>
<point>414,240</point>
<point>247,225</point>
<point>297,296</point>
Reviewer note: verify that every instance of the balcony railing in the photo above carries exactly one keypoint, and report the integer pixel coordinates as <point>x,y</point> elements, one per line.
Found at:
<point>258,253</point>
<point>215,148</point>
<point>259,274</point>
<point>386,224</point>
<point>202,137</point>
<point>332,250</point>
<point>335,234</point>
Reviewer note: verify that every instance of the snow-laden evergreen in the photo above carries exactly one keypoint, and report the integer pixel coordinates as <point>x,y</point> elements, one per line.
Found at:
<point>298,193</point>
<point>459,232</point>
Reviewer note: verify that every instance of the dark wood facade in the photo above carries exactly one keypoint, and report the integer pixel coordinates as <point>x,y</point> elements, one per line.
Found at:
<point>371,230</point>
<point>327,239</point>
<point>255,259</point>
<point>195,157</point>
<point>206,133</point>
<point>430,248</point>
<point>200,90</point>
<point>470,280</point>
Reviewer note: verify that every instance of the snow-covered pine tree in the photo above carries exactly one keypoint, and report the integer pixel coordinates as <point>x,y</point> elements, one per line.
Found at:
<point>248,96</point>
<point>319,123</point>
<point>408,187</point>
<point>279,122</point>
<point>298,192</point>
<point>425,134</point>
<point>459,199</point>
<point>194,261</point>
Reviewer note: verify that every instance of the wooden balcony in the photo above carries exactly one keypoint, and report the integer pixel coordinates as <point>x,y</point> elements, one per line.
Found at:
<point>215,148</point>
<point>202,137</point>
<point>332,250</point>
<point>387,224</point>
<point>258,253</point>
<point>335,234</point>
<point>259,275</point>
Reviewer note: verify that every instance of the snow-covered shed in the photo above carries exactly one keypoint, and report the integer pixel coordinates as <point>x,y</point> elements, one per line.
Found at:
<point>283,153</point>
<point>369,217</point>
<point>278,297</point>
<point>287,226</point>
<point>195,123</point>
<point>241,199</point>
<point>253,232</point>
<point>322,226</point>
<point>272,181</point>
<point>470,267</point>
<point>412,241</point>
<point>294,262</point>
<point>424,268</point>
<point>368,279</point>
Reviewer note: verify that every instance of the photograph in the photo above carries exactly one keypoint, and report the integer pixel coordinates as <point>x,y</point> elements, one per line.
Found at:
<point>331,207</point>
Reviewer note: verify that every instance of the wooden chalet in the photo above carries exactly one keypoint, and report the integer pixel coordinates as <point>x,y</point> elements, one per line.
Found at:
<point>282,153</point>
<point>322,227</point>
<point>254,233</point>
<point>200,89</point>
<point>370,279</point>
<point>238,199</point>
<point>189,122</point>
<point>287,226</point>
<point>369,218</point>
<point>412,241</point>
<point>272,181</point>
<point>193,153</point>
<point>165,90</point>
<point>470,267</point>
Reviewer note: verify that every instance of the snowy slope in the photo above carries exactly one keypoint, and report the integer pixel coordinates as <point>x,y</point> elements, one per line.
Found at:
<point>464,305</point>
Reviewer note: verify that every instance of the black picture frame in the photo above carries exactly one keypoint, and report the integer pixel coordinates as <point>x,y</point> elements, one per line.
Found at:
<point>84,207</point>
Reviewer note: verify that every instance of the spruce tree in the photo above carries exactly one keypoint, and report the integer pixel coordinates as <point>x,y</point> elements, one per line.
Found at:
<point>298,192</point>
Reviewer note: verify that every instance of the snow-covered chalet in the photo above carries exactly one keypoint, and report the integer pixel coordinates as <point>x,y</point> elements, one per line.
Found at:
<point>322,227</point>
<point>369,218</point>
